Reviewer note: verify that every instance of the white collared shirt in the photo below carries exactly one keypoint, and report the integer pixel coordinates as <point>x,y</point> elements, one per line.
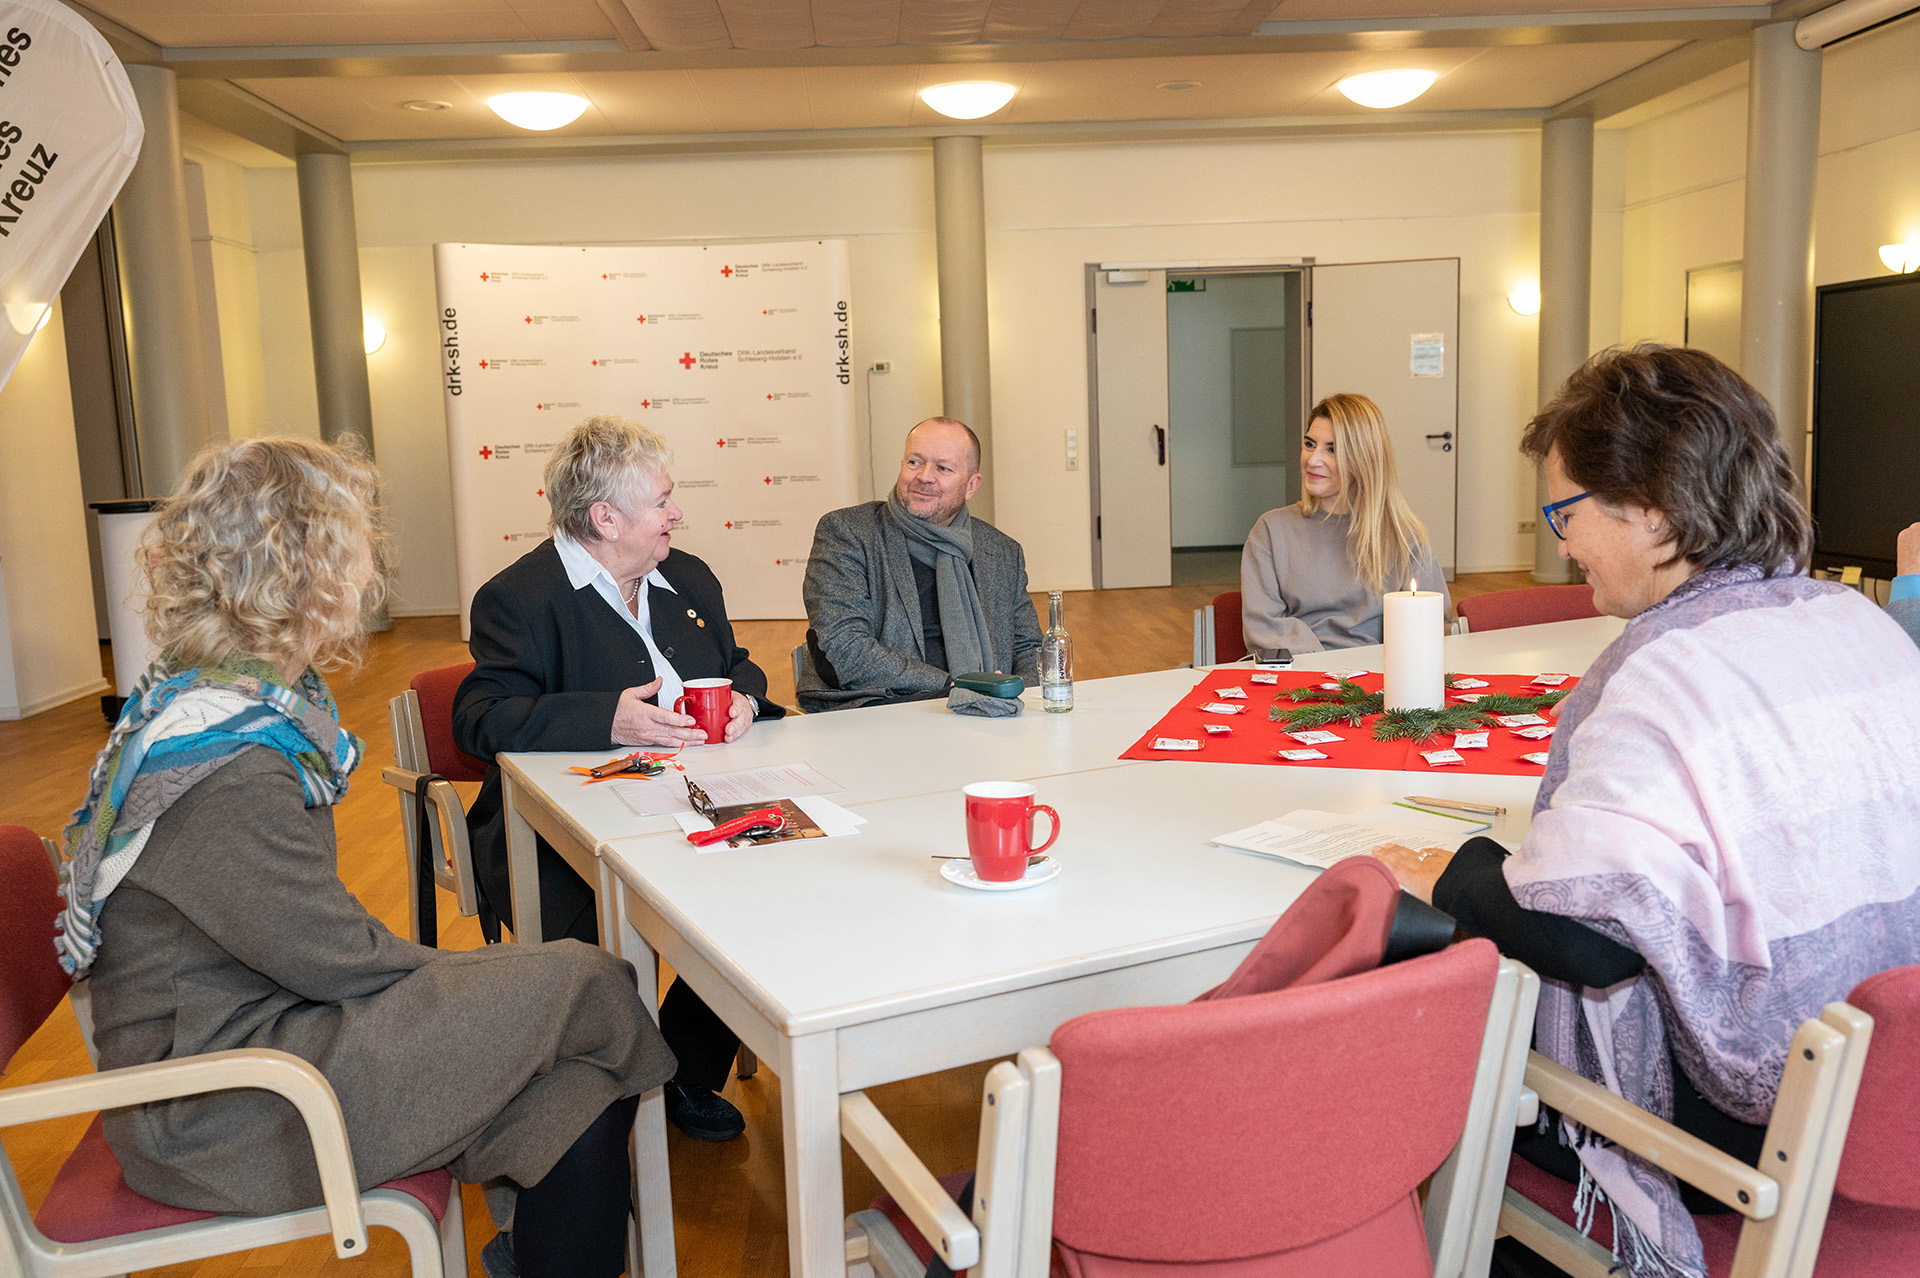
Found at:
<point>583,570</point>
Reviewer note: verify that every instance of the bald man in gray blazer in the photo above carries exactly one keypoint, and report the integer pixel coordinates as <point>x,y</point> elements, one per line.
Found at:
<point>905,593</point>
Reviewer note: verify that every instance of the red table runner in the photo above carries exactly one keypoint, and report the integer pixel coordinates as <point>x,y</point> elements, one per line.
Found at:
<point>1256,739</point>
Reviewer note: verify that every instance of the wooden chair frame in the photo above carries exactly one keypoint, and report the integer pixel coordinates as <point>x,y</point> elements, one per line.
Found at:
<point>421,792</point>
<point>1010,1231</point>
<point>1784,1201</point>
<point>438,1248</point>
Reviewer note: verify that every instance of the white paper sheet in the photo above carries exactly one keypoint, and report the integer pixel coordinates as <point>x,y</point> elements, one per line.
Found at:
<point>1320,839</point>
<point>666,795</point>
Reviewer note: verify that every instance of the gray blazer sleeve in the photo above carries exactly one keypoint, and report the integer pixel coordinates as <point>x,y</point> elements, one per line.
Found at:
<point>845,617</point>
<point>1263,612</point>
<point>249,865</point>
<point>1026,626</point>
<point>1907,613</point>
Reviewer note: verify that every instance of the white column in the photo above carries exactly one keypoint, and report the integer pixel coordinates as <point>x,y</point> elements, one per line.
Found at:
<point>1566,290</point>
<point>960,233</point>
<point>332,245</point>
<point>153,236</point>
<point>1776,288</point>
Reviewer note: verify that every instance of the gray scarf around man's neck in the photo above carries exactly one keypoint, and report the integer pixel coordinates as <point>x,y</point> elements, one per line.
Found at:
<point>963,622</point>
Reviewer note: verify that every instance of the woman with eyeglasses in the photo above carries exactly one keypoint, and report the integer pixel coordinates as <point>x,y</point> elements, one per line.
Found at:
<point>1727,835</point>
<point>1312,574</point>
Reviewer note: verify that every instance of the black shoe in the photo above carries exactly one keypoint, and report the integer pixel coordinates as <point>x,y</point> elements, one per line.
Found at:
<point>702,1115</point>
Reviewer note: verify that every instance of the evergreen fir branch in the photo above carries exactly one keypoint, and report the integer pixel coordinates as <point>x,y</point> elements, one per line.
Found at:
<point>1320,714</point>
<point>1510,703</point>
<point>1418,725</point>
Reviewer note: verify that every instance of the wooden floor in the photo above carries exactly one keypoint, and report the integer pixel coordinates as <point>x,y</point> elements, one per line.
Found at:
<point>729,1204</point>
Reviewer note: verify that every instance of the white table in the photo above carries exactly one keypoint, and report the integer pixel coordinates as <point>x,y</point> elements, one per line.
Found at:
<point>843,963</point>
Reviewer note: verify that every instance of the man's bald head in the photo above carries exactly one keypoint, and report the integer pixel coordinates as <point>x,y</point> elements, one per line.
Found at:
<point>943,424</point>
<point>940,469</point>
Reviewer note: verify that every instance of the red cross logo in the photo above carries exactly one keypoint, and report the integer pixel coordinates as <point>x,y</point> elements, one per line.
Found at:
<point>596,363</point>
<point>721,442</point>
<point>729,523</point>
<point>767,480</point>
<point>483,363</point>
<point>486,453</point>
<point>529,319</point>
<point>539,492</point>
<point>727,271</point>
<point>640,319</point>
<point>769,396</point>
<point>483,277</point>
<point>603,275</point>
<point>646,403</point>
<point>504,537</point>
<point>538,407</point>
<point>686,360</point>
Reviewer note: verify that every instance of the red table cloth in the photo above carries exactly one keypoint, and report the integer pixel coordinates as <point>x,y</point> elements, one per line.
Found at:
<point>1257,739</point>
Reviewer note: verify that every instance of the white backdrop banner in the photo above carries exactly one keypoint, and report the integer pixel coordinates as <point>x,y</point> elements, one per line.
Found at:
<point>736,353</point>
<point>69,134</point>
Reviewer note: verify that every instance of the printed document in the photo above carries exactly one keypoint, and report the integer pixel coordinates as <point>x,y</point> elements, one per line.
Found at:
<point>1322,838</point>
<point>668,794</point>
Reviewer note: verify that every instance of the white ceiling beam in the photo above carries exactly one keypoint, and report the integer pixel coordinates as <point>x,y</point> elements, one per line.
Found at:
<point>1649,80</point>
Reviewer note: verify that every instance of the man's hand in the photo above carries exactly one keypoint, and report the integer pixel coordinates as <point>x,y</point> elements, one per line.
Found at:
<point>740,718</point>
<point>637,723</point>
<point>1417,871</point>
<point>1907,550</point>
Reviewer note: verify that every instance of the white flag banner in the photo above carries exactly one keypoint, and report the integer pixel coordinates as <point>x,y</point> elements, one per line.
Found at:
<point>737,354</point>
<point>69,134</point>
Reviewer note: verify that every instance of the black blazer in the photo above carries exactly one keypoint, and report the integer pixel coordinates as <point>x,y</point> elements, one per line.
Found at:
<point>550,663</point>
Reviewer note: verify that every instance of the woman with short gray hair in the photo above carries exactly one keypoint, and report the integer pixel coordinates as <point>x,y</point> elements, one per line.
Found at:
<point>203,901</point>
<point>585,644</point>
<point>1727,835</point>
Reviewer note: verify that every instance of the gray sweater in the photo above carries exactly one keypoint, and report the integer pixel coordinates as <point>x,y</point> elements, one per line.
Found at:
<point>1299,589</point>
<point>1907,613</point>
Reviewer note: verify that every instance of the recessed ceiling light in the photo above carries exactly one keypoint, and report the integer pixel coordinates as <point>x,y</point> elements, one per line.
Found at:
<point>1383,89</point>
<point>426,104</point>
<point>538,111</point>
<point>1178,86</point>
<point>969,99</point>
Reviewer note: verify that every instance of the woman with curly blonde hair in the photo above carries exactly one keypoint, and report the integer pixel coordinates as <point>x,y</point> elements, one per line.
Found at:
<point>203,900</point>
<point>1312,575</point>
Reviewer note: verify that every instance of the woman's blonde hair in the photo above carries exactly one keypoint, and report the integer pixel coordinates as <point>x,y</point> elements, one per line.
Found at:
<point>1385,532</point>
<point>257,555</point>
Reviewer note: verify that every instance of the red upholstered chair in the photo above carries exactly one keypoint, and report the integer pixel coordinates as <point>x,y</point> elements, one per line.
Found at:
<point>91,1224</point>
<point>1278,1127</point>
<point>432,817</point>
<point>1531,606</point>
<point>1809,1209</point>
<point>1217,636</point>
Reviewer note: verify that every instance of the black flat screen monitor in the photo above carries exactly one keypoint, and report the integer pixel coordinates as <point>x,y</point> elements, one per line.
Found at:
<point>1866,421</point>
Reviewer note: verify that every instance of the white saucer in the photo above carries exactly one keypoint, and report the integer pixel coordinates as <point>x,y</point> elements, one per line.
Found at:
<point>961,873</point>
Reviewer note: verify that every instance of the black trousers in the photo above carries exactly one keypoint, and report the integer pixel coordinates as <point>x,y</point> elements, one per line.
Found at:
<point>700,1040</point>
<point>1692,1113</point>
<point>573,1222</point>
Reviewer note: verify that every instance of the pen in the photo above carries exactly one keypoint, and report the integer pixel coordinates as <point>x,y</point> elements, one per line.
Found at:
<point>1457,805</point>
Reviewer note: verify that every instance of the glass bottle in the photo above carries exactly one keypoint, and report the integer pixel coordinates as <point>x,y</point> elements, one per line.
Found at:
<point>1056,660</point>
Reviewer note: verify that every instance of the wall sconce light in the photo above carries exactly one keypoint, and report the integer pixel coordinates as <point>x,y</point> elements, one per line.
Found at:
<point>29,318</point>
<point>374,333</point>
<point>1902,259</point>
<point>1525,300</point>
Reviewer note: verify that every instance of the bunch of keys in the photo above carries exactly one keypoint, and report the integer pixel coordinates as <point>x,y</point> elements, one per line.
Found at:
<point>752,825</point>
<point>637,764</point>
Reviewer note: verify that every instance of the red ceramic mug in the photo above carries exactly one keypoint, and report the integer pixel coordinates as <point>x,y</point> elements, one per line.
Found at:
<point>710,702</point>
<point>1000,828</point>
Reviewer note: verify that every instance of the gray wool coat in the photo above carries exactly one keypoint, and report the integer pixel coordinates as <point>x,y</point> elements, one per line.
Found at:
<point>233,930</point>
<point>864,611</point>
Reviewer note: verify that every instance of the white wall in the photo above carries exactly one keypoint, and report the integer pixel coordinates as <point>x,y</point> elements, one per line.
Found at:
<point>1684,179</point>
<point>52,641</point>
<point>1216,503</point>
<point>1050,210</point>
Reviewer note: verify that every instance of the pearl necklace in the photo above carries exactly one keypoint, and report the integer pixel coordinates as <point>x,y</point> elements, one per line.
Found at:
<point>633,592</point>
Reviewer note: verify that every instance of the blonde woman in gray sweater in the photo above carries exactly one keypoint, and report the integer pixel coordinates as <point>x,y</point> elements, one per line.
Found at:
<point>1312,574</point>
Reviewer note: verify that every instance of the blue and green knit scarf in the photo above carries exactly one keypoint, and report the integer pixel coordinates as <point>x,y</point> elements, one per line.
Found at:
<point>178,727</point>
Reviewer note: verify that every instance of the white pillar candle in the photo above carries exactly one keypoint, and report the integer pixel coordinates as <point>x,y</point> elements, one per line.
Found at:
<point>1415,625</point>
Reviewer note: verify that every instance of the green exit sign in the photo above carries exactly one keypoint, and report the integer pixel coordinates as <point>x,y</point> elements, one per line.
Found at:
<point>1187,286</point>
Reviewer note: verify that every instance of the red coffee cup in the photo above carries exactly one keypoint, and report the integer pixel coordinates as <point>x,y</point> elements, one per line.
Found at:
<point>1000,828</point>
<point>710,702</point>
